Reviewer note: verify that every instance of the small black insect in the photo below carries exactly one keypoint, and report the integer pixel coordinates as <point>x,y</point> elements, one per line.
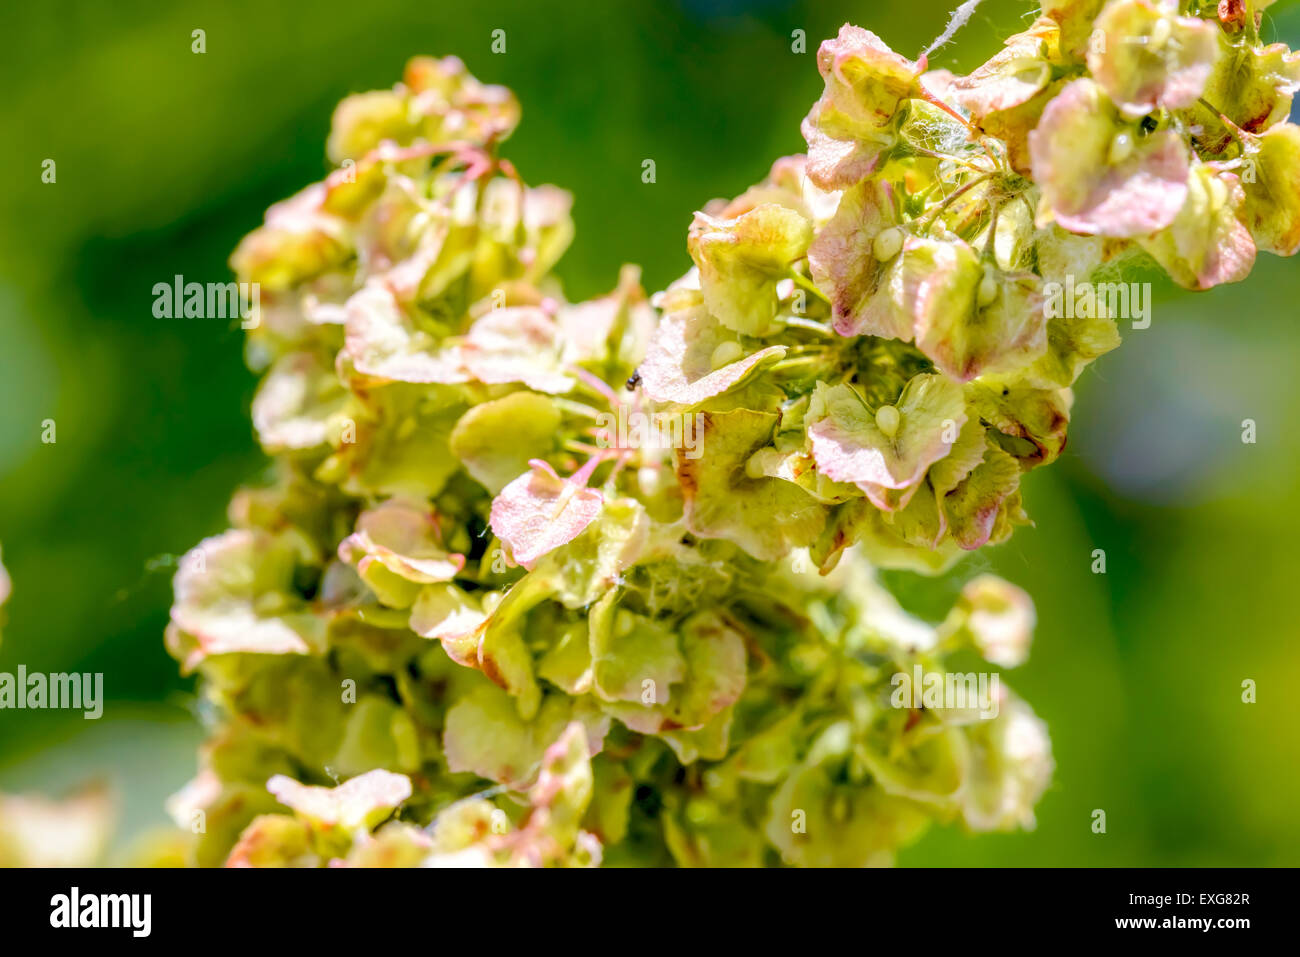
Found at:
<point>633,381</point>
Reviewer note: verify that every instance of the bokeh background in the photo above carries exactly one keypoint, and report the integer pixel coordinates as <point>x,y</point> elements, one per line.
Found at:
<point>166,157</point>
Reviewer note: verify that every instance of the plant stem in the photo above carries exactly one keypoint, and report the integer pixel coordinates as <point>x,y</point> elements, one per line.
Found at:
<point>801,280</point>
<point>927,219</point>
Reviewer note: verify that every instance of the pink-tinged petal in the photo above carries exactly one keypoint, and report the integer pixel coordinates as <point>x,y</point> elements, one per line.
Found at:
<point>517,344</point>
<point>233,596</point>
<point>539,511</point>
<point>360,802</point>
<point>445,613</point>
<point>838,161</point>
<point>741,260</point>
<point>865,79</point>
<point>450,100</point>
<point>403,537</point>
<point>1011,766</point>
<point>844,264</point>
<point>565,763</point>
<point>1089,185</point>
<point>383,339</point>
<point>994,616</point>
<point>678,366</point>
<point>1075,19</point>
<point>847,128</point>
<point>941,281</point>
<point>484,733</point>
<point>965,339</point>
<point>1013,126</point>
<point>1206,245</point>
<point>939,84</point>
<point>1013,76</point>
<point>972,507</point>
<point>850,445</point>
<point>1151,59</point>
<point>298,241</point>
<point>437,102</point>
<point>299,404</point>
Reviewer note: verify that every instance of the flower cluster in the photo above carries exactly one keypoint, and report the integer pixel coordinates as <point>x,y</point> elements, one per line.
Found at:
<point>472,622</point>
<point>868,332</point>
<point>342,825</point>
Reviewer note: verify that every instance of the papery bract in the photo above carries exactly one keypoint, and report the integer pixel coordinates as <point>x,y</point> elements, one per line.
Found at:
<point>1085,188</point>
<point>540,511</point>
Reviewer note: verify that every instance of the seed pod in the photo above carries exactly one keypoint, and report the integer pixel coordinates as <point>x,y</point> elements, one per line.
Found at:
<point>1160,34</point>
<point>887,244</point>
<point>988,289</point>
<point>1121,148</point>
<point>887,419</point>
<point>726,353</point>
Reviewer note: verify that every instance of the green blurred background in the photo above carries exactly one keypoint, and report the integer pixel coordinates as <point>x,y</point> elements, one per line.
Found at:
<point>166,157</point>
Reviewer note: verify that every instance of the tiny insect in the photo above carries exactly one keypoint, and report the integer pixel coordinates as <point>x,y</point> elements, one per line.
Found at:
<point>633,381</point>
